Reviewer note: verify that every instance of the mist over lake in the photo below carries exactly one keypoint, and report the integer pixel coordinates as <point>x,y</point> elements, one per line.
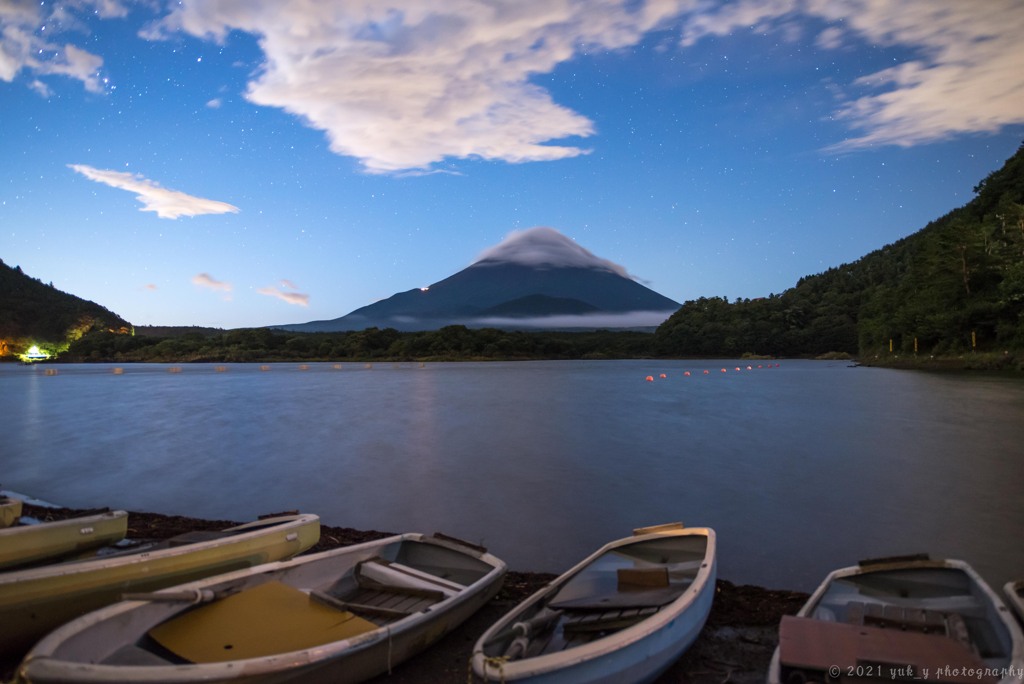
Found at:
<point>800,468</point>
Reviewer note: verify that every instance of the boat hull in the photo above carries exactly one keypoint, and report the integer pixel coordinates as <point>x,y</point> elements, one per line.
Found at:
<point>638,653</point>
<point>34,601</point>
<point>25,544</point>
<point>64,655</point>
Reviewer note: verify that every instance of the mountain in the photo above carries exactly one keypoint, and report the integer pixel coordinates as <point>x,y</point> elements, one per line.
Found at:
<point>535,279</point>
<point>35,314</point>
<point>955,286</point>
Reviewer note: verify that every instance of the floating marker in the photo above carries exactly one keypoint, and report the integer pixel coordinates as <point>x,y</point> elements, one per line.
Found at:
<point>687,373</point>
<point>707,372</point>
<point>118,371</point>
<point>662,376</point>
<point>649,378</point>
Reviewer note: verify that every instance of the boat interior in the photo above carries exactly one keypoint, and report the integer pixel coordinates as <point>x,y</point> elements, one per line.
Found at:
<point>619,589</point>
<point>925,615</point>
<point>337,597</point>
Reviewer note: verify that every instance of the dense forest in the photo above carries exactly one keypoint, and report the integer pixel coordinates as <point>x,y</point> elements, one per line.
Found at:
<point>33,313</point>
<point>957,285</point>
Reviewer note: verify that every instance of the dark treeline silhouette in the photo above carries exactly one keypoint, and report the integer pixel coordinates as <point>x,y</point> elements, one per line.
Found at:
<point>454,342</point>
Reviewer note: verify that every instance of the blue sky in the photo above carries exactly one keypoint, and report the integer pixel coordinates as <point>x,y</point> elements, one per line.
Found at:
<point>228,164</point>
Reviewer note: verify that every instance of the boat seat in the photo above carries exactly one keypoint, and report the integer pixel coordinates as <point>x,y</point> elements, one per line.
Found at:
<point>909,619</point>
<point>264,620</point>
<point>378,572</point>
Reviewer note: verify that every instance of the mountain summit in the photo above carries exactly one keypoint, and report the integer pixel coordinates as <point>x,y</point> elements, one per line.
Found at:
<point>534,279</point>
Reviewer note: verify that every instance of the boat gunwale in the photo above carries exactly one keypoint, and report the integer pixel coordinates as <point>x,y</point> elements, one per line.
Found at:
<point>76,671</point>
<point>552,662</point>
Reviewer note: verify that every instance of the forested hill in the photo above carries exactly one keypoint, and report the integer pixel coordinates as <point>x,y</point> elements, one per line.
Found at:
<point>955,285</point>
<point>32,313</point>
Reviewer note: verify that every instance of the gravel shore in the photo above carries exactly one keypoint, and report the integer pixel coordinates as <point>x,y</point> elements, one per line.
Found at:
<point>735,646</point>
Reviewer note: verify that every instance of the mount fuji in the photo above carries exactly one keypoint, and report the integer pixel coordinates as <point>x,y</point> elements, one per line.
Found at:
<point>536,279</point>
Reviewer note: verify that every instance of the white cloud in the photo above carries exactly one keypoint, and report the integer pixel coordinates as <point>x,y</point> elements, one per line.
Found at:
<point>209,282</point>
<point>215,103</point>
<point>966,76</point>
<point>29,41</point>
<point>165,202</point>
<point>543,246</point>
<point>404,85</point>
<point>286,293</point>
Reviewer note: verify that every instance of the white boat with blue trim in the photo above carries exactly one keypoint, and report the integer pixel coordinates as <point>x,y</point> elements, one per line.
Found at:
<point>624,614</point>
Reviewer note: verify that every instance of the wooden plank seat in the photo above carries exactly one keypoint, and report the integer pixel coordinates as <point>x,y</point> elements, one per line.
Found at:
<point>909,619</point>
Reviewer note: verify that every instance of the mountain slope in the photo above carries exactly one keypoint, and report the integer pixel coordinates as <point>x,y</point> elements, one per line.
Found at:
<point>954,286</point>
<point>540,279</point>
<point>32,313</point>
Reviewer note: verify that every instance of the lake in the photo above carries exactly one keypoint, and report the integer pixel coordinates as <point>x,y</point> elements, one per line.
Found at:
<point>800,466</point>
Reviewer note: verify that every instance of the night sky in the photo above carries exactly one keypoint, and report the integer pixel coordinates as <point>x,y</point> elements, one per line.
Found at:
<point>230,164</point>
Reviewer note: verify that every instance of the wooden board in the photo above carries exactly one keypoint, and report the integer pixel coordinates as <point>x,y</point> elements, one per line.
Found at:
<point>265,620</point>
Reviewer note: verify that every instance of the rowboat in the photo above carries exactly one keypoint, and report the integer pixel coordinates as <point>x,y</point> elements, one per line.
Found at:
<point>1015,593</point>
<point>624,614</point>
<point>338,616</point>
<point>33,601</point>
<point>902,619</point>
<point>25,544</point>
<point>10,510</point>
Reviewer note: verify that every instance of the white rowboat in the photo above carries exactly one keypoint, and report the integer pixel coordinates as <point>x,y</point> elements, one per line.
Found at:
<point>624,614</point>
<point>901,619</point>
<point>339,616</point>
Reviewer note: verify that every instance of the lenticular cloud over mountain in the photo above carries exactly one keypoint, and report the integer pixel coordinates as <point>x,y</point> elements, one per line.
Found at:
<point>539,247</point>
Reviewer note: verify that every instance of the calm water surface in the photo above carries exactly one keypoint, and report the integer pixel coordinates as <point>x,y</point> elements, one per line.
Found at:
<point>800,468</point>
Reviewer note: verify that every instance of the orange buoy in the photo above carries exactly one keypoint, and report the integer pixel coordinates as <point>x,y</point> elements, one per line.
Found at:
<point>662,376</point>
<point>687,373</point>
<point>724,371</point>
<point>707,372</point>
<point>649,378</point>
